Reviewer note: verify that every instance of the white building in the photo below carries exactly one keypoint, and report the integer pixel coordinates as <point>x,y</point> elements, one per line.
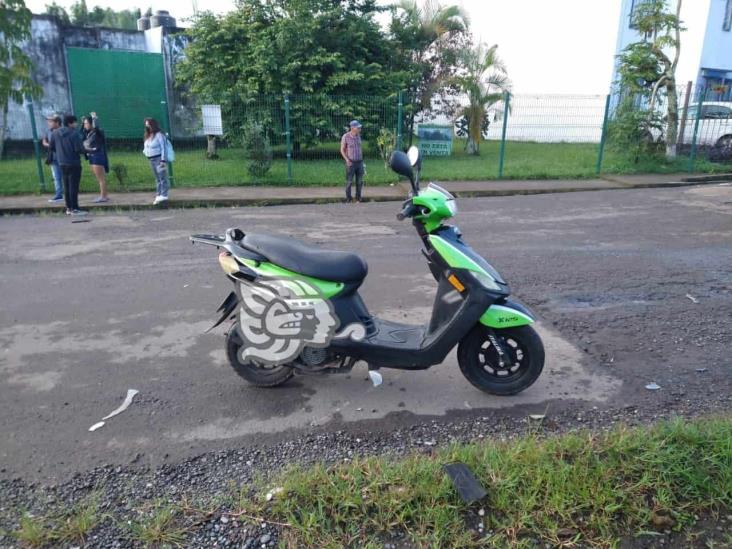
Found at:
<point>705,56</point>
<point>715,67</point>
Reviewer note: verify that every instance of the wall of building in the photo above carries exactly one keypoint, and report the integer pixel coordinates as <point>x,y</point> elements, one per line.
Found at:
<point>716,58</point>
<point>46,48</point>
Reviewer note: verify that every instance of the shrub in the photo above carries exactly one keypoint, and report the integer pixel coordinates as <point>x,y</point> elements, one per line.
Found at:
<point>120,174</point>
<point>257,149</point>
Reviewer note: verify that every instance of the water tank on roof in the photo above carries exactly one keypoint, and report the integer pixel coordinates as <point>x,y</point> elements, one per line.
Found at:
<point>162,18</point>
<point>143,23</point>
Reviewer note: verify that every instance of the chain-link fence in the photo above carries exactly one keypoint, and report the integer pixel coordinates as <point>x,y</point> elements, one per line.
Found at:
<point>295,140</point>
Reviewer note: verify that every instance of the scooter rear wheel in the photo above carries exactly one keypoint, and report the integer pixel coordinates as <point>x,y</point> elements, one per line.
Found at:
<point>260,376</point>
<point>480,364</point>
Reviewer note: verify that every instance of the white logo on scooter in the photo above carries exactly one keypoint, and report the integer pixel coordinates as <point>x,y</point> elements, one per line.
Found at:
<point>278,317</point>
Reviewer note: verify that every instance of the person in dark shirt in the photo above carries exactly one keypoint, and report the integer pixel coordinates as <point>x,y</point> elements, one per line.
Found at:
<point>68,147</point>
<point>95,145</point>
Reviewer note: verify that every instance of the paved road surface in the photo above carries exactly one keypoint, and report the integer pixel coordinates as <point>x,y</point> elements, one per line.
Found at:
<point>92,309</point>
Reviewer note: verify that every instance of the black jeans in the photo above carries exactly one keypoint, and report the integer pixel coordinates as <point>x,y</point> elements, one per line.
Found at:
<point>356,168</point>
<point>70,176</point>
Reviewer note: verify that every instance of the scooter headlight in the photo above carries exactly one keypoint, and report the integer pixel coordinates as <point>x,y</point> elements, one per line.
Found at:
<point>488,282</point>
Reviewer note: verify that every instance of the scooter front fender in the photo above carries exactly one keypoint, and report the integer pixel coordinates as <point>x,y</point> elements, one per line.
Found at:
<point>507,315</point>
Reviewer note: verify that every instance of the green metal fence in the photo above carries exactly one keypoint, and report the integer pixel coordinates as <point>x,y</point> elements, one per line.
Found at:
<point>295,140</point>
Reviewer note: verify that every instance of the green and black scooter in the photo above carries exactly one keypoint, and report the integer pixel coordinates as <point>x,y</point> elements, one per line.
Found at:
<point>498,350</point>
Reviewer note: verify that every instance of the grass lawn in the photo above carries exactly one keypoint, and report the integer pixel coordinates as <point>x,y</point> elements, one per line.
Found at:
<point>524,160</point>
<point>578,489</point>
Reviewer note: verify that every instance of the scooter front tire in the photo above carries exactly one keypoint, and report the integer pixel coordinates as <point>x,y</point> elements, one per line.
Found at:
<point>479,362</point>
<point>259,376</point>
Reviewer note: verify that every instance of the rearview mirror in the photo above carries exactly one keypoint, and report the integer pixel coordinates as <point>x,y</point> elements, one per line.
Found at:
<point>399,162</point>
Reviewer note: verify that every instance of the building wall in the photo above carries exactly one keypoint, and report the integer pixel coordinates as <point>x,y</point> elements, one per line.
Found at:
<point>46,48</point>
<point>716,59</point>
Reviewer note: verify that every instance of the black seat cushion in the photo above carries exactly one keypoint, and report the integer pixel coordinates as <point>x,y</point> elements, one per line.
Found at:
<point>305,259</point>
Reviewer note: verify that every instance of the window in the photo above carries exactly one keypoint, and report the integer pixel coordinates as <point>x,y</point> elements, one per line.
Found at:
<point>634,5</point>
<point>727,25</point>
<point>716,112</point>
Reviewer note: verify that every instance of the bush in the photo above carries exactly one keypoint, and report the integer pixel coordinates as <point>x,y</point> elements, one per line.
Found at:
<point>633,131</point>
<point>120,174</point>
<point>257,149</point>
<point>386,143</point>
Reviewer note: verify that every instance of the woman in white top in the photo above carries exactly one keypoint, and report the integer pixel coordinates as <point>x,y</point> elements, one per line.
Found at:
<point>154,150</point>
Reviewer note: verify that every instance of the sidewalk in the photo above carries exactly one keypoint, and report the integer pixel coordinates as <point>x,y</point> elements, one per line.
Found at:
<point>186,197</point>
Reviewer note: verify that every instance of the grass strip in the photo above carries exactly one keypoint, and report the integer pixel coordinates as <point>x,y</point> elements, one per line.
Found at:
<point>589,488</point>
<point>578,489</point>
<point>524,160</point>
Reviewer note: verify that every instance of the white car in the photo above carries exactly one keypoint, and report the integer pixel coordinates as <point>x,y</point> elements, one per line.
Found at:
<point>715,125</point>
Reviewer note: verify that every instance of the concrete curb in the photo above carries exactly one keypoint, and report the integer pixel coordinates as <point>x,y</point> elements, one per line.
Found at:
<point>613,183</point>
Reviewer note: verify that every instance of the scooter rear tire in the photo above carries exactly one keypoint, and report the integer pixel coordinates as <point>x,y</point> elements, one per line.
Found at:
<point>479,361</point>
<point>259,376</point>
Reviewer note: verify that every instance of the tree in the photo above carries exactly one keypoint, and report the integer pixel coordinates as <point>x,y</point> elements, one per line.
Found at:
<point>16,81</point>
<point>59,12</point>
<point>332,50</point>
<point>428,40</point>
<point>648,68</point>
<point>483,79</point>
<point>97,17</point>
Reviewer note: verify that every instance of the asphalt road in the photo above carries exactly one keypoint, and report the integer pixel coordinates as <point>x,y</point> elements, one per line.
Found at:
<point>631,287</point>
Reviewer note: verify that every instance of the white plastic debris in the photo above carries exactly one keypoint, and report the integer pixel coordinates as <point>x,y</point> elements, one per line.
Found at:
<point>692,298</point>
<point>273,492</point>
<point>537,417</point>
<point>96,426</point>
<point>376,378</point>
<point>128,400</point>
<point>653,386</point>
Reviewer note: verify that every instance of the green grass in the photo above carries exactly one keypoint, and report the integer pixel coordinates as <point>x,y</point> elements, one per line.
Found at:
<point>69,527</point>
<point>579,487</point>
<point>576,489</point>
<point>158,525</point>
<point>523,161</point>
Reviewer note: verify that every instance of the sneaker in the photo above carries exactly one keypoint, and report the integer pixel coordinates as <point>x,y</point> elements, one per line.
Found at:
<point>56,199</point>
<point>100,200</point>
<point>68,212</point>
<point>162,198</point>
<point>79,212</point>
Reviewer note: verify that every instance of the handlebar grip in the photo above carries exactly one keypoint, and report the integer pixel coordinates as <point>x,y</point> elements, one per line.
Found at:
<point>408,211</point>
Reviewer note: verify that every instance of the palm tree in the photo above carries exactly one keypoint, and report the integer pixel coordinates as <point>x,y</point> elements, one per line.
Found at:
<point>432,28</point>
<point>483,78</point>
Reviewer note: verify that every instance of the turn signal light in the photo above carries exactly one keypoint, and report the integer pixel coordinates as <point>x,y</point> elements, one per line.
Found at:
<point>452,279</point>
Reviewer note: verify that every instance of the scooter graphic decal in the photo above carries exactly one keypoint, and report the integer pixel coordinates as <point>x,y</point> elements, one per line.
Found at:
<point>278,317</point>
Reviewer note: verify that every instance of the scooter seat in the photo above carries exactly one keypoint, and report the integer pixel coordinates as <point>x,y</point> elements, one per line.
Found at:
<point>305,259</point>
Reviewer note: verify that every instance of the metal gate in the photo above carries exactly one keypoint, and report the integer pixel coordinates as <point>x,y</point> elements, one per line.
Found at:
<point>122,87</point>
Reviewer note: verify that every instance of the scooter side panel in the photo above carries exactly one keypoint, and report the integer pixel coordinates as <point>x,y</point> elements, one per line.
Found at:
<point>327,288</point>
<point>506,315</point>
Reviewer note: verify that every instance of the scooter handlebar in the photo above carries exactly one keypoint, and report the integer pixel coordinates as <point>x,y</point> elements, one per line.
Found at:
<point>408,211</point>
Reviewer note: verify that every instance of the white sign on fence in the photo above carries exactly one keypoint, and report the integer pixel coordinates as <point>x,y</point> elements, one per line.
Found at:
<point>212,124</point>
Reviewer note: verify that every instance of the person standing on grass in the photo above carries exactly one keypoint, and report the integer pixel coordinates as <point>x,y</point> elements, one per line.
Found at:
<point>154,150</point>
<point>95,146</point>
<point>54,123</point>
<point>351,153</point>
<point>68,147</point>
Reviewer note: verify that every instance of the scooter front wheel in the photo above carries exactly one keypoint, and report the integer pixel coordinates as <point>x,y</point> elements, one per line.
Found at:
<point>260,376</point>
<point>480,362</point>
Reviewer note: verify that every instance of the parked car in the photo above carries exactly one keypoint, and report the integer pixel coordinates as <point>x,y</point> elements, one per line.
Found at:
<point>715,125</point>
